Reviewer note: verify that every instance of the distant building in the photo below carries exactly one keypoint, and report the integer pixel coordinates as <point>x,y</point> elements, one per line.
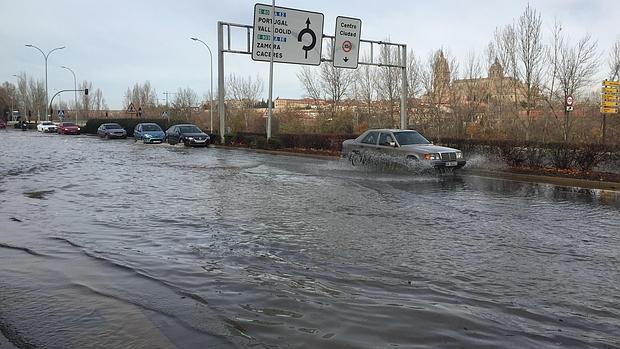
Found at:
<point>288,104</point>
<point>495,88</point>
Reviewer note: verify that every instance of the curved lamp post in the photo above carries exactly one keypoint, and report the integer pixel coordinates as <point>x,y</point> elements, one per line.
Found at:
<point>75,88</point>
<point>45,57</point>
<point>211,91</point>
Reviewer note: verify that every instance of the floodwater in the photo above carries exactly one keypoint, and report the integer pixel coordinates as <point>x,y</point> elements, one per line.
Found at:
<point>114,244</point>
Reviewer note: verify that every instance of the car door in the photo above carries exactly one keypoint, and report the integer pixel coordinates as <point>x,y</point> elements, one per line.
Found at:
<point>387,144</point>
<point>137,132</point>
<point>174,136</point>
<point>368,144</point>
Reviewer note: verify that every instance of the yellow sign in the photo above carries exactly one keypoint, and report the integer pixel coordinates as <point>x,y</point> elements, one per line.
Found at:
<point>609,104</point>
<point>609,110</point>
<point>610,98</point>
<point>611,83</point>
<point>614,90</point>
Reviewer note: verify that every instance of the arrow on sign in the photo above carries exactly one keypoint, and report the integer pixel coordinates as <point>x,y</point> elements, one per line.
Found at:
<point>346,59</point>
<point>307,30</point>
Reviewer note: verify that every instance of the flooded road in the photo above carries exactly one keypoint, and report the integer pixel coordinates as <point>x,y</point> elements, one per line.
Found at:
<point>113,244</point>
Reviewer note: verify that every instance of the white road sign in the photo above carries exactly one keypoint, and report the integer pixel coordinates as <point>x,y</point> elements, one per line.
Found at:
<point>298,35</point>
<point>347,42</point>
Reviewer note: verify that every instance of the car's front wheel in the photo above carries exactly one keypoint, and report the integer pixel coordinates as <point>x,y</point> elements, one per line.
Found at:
<point>355,158</point>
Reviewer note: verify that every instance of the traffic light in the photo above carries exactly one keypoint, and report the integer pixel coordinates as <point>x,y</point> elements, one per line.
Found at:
<point>86,92</point>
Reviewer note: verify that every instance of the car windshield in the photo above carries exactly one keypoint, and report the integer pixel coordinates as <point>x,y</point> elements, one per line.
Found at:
<point>405,138</point>
<point>68,124</point>
<point>47,123</point>
<point>113,126</point>
<point>151,128</point>
<point>189,129</point>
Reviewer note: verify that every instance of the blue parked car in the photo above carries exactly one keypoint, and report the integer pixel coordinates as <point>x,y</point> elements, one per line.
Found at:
<point>148,132</point>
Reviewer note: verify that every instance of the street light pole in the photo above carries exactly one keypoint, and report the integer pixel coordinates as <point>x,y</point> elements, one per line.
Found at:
<point>45,56</point>
<point>13,98</point>
<point>75,88</point>
<point>211,91</point>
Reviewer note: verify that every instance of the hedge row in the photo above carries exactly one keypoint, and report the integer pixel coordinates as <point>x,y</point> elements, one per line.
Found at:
<point>583,157</point>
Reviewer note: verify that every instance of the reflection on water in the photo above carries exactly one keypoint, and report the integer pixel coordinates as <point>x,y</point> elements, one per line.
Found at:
<point>120,244</point>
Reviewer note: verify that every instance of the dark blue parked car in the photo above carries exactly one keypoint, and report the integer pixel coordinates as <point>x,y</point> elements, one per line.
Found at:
<point>148,132</point>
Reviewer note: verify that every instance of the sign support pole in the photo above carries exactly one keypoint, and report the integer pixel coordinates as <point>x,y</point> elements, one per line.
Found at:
<point>270,106</point>
<point>220,78</point>
<point>404,92</point>
<point>604,130</point>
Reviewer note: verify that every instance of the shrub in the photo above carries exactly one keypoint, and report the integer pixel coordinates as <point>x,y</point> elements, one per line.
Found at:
<point>589,156</point>
<point>562,155</point>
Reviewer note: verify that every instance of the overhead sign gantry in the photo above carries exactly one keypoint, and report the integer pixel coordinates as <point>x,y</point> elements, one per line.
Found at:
<point>297,39</point>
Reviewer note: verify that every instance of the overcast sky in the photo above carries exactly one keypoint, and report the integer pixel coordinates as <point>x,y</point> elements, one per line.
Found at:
<point>115,44</point>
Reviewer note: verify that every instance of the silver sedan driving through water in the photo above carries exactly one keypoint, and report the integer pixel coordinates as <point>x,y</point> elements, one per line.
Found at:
<point>400,146</point>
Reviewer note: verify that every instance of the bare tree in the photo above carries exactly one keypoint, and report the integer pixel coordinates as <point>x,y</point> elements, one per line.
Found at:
<point>437,76</point>
<point>141,96</point>
<point>389,81</point>
<point>311,83</point>
<point>184,100</point>
<point>614,61</point>
<point>36,95</point>
<point>245,91</point>
<point>553,58</point>
<point>335,82</point>
<point>576,67</point>
<point>467,97</point>
<point>503,49</point>
<point>531,61</point>
<point>87,100</point>
<point>365,86</point>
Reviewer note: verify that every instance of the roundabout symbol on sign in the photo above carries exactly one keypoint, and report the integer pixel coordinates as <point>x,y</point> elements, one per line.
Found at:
<point>347,46</point>
<point>569,100</point>
<point>307,30</point>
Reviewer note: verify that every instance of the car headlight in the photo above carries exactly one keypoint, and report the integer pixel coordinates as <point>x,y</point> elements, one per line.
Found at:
<point>146,135</point>
<point>190,138</point>
<point>79,128</point>
<point>431,156</point>
<point>459,155</point>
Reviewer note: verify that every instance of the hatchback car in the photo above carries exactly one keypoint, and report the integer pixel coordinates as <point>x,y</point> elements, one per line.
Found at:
<point>400,145</point>
<point>188,134</point>
<point>68,128</point>
<point>111,130</point>
<point>148,132</point>
<point>47,126</point>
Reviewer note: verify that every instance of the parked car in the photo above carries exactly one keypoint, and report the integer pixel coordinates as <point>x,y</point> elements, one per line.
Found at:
<point>188,134</point>
<point>2,124</point>
<point>111,130</point>
<point>400,145</point>
<point>68,128</point>
<point>148,132</point>
<point>47,126</point>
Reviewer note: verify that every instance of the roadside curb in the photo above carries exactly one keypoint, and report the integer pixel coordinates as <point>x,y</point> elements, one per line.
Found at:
<point>280,152</point>
<point>560,181</point>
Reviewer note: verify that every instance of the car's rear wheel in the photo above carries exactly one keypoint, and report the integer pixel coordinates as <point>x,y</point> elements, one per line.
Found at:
<point>355,158</point>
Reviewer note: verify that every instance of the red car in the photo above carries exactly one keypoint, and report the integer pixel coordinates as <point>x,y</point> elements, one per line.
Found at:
<point>68,128</point>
